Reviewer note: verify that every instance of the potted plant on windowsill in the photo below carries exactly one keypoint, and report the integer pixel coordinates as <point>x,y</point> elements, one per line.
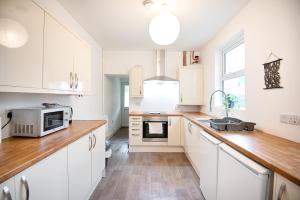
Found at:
<point>232,101</point>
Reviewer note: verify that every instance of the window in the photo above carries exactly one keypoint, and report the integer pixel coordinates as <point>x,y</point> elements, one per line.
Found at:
<point>126,96</point>
<point>233,73</point>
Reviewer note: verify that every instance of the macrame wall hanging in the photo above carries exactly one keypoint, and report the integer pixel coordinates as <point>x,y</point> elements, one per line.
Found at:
<point>272,76</point>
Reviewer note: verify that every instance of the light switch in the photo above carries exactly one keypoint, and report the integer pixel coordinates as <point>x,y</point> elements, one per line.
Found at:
<point>290,119</point>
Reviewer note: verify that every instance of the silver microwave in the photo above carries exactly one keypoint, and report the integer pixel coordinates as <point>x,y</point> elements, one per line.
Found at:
<point>39,121</point>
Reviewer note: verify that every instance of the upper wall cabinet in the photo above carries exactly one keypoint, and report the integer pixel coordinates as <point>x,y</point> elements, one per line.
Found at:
<point>191,85</point>
<point>67,60</point>
<point>82,67</point>
<point>58,56</point>
<point>38,54</point>
<point>21,52</point>
<point>136,81</point>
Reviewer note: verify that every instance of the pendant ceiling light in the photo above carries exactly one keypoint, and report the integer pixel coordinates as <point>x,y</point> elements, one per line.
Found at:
<point>12,33</point>
<point>164,28</point>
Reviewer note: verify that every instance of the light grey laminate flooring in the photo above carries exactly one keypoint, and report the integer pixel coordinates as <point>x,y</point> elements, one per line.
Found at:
<point>146,176</point>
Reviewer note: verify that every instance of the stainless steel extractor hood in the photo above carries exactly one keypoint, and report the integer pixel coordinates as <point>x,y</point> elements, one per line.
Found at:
<point>160,68</point>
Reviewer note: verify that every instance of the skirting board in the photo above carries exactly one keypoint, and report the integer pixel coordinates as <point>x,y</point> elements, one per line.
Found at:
<point>156,149</point>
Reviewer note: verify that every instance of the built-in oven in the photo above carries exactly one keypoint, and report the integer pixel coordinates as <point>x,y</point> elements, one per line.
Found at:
<point>155,129</point>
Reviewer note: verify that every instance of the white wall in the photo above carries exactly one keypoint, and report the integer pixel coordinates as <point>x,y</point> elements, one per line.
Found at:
<point>120,62</point>
<point>112,102</point>
<point>163,98</point>
<point>269,26</point>
<point>89,107</point>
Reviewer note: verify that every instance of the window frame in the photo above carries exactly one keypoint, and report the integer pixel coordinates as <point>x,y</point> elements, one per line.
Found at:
<point>232,44</point>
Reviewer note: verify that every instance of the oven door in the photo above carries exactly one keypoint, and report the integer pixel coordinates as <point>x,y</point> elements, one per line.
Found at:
<point>155,131</point>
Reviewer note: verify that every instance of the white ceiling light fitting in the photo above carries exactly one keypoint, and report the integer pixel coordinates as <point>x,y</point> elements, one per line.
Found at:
<point>12,33</point>
<point>164,28</point>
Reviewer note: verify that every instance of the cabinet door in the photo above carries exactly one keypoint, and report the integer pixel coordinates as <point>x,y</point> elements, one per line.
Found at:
<point>23,66</point>
<point>58,56</point>
<point>80,169</point>
<point>135,135</point>
<point>136,76</point>
<point>7,190</point>
<point>47,180</point>
<point>196,145</point>
<point>191,86</point>
<point>174,131</point>
<point>188,137</point>
<point>82,67</point>
<point>98,154</point>
<point>289,190</point>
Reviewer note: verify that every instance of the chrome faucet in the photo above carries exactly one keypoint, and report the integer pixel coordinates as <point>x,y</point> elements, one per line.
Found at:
<point>226,105</point>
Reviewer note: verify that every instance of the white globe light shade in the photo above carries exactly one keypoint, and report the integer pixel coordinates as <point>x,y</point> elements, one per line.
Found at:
<point>12,33</point>
<point>164,28</point>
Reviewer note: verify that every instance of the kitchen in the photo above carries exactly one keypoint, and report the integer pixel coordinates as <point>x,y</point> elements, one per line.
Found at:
<point>106,76</point>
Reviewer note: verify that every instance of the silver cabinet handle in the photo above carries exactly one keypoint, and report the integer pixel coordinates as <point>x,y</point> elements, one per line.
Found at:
<point>25,183</point>
<point>95,141</point>
<point>6,193</point>
<point>135,129</point>
<point>76,81</point>
<point>71,79</point>
<point>281,191</point>
<point>90,143</point>
<point>135,118</point>
<point>170,123</point>
<point>135,134</point>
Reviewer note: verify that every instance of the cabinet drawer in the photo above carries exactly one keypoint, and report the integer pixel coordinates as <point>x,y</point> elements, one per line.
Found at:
<point>140,124</point>
<point>135,136</point>
<point>135,118</point>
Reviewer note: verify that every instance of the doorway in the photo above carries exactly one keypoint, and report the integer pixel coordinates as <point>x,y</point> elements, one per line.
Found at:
<point>124,104</point>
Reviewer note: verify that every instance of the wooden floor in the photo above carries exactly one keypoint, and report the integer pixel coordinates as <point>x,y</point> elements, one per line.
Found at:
<point>145,176</point>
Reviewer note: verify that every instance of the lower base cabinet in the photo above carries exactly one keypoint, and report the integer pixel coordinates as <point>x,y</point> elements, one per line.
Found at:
<point>80,174</point>
<point>98,153</point>
<point>68,174</point>
<point>47,180</point>
<point>86,162</point>
<point>285,189</point>
<point>7,190</point>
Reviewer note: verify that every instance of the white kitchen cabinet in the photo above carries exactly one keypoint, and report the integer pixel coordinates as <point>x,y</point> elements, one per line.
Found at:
<point>190,85</point>
<point>82,67</point>
<point>187,136</point>
<point>135,135</point>
<point>209,165</point>
<point>8,190</point>
<point>47,180</point>
<point>79,167</point>
<point>174,131</point>
<point>240,177</point>
<point>196,147</point>
<point>192,143</point>
<point>135,130</point>
<point>98,154</point>
<point>23,66</point>
<point>136,81</point>
<point>285,189</point>
<point>58,56</point>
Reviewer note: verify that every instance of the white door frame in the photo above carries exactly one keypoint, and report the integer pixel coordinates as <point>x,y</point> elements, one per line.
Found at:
<point>123,124</point>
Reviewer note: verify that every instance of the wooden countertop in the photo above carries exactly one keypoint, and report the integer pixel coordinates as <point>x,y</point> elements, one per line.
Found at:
<point>275,153</point>
<point>19,153</point>
<point>148,114</point>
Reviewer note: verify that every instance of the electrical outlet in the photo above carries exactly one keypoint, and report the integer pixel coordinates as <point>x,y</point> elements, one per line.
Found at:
<point>290,119</point>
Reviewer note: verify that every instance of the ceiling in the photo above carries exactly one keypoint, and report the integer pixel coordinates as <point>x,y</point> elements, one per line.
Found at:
<point>123,24</point>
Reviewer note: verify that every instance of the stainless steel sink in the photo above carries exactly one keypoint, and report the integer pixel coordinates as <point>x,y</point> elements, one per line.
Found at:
<point>229,124</point>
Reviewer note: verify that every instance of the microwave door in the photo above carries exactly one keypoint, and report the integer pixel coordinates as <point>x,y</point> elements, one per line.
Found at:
<point>53,120</point>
